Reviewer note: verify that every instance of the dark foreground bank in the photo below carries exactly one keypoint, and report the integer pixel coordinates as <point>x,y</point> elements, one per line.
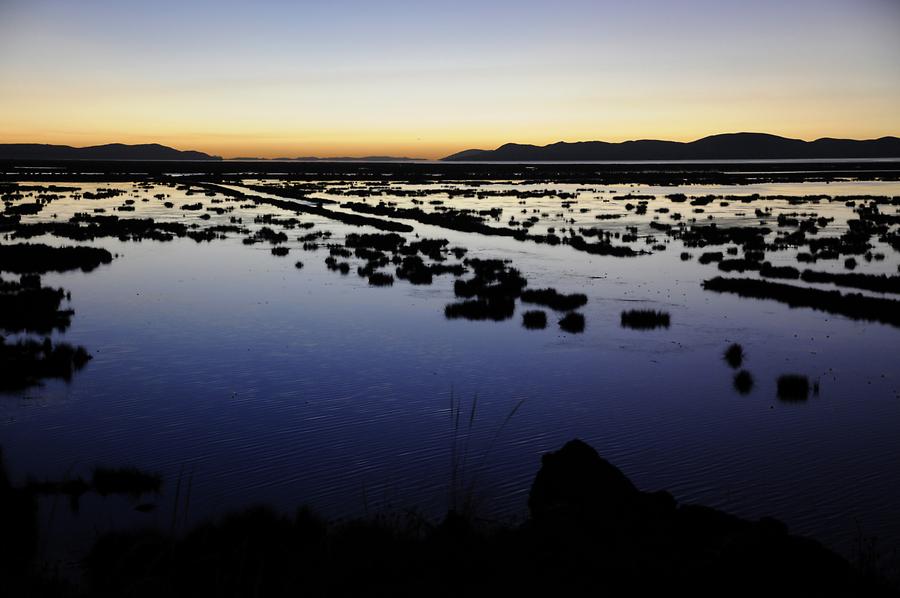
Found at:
<point>590,532</point>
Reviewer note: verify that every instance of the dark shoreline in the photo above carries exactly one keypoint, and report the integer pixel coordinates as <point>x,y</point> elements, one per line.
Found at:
<point>431,172</point>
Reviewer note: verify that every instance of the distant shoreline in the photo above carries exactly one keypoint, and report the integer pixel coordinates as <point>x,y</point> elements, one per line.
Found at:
<point>29,162</point>
<point>720,172</point>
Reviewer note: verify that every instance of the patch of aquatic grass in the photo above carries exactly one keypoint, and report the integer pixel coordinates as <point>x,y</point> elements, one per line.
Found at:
<point>29,362</point>
<point>793,387</point>
<point>534,320</point>
<point>743,382</point>
<point>572,322</point>
<point>497,309</point>
<point>645,319</point>
<point>380,279</point>
<point>734,355</point>
<point>554,299</point>
<point>463,481</point>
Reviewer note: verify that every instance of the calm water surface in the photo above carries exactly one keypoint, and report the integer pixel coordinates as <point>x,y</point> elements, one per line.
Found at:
<point>220,363</point>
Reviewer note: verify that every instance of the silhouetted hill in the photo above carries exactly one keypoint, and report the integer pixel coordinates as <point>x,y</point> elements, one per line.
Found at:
<point>110,151</point>
<point>730,146</point>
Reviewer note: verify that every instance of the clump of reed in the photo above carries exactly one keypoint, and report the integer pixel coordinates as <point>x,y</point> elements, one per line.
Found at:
<point>793,387</point>
<point>572,322</point>
<point>380,279</point>
<point>734,355</point>
<point>554,299</point>
<point>645,319</point>
<point>743,382</point>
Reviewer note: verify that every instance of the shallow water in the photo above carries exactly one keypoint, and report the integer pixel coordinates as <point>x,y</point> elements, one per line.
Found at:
<point>252,381</point>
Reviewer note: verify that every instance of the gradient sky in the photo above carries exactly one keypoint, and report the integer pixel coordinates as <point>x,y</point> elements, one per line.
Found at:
<point>424,79</point>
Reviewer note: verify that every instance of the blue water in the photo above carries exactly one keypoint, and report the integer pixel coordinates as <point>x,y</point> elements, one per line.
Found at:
<point>252,381</point>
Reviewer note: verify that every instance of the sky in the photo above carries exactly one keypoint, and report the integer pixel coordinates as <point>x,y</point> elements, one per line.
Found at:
<point>425,79</point>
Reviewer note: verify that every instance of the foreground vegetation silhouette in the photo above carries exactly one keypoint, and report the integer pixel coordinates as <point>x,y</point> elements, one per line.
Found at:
<point>590,531</point>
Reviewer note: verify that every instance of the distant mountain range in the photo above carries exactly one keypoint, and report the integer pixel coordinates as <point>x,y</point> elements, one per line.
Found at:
<point>730,146</point>
<point>110,151</point>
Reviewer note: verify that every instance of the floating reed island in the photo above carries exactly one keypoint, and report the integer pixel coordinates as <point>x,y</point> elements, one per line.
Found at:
<point>28,306</point>
<point>487,290</point>
<point>25,258</point>
<point>851,305</point>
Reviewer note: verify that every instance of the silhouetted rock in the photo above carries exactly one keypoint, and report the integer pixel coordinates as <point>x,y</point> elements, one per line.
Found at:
<point>575,484</point>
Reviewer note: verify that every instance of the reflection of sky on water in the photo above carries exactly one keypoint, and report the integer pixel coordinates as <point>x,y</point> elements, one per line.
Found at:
<point>280,385</point>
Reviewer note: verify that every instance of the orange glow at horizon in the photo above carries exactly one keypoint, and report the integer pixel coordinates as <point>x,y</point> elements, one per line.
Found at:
<point>431,125</point>
<point>268,145</point>
<point>366,118</point>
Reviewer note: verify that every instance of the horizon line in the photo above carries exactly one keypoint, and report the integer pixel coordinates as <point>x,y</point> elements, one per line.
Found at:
<point>382,156</point>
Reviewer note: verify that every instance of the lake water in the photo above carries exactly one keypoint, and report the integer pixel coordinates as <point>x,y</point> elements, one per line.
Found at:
<point>224,366</point>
